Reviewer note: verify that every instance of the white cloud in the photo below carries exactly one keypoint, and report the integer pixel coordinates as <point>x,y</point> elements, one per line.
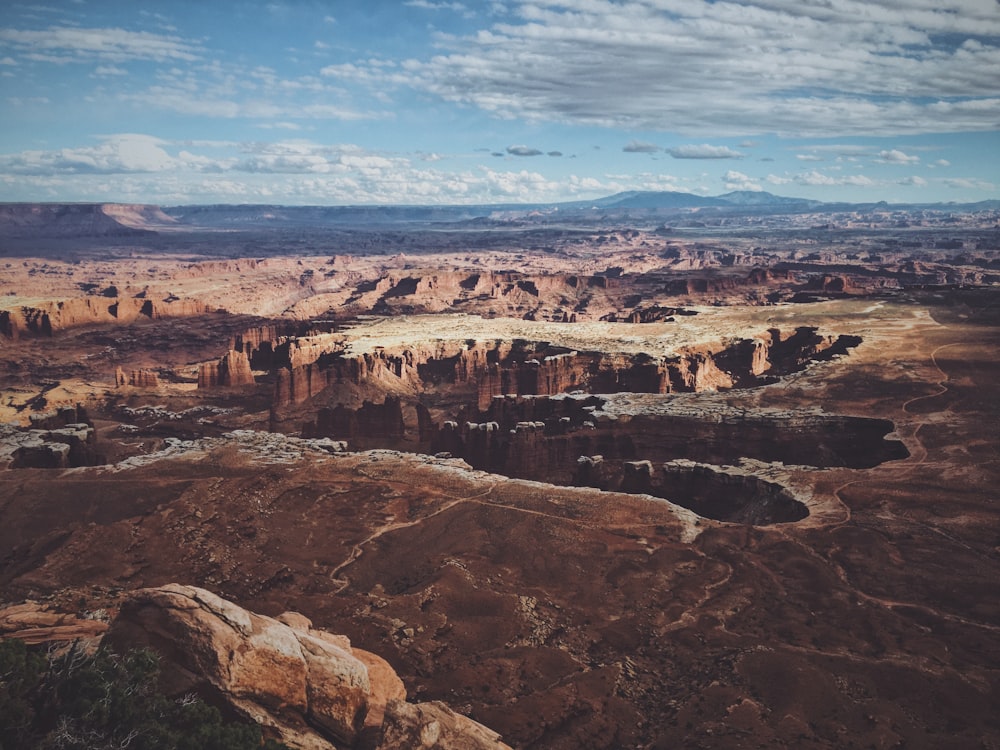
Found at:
<point>724,68</point>
<point>970,183</point>
<point>941,163</point>
<point>114,155</point>
<point>895,156</point>
<point>17,101</point>
<point>280,126</point>
<point>914,180</point>
<point>427,5</point>
<point>227,91</point>
<point>841,149</point>
<point>146,168</point>
<point>809,157</point>
<point>738,181</point>
<point>704,151</point>
<point>110,70</point>
<point>65,45</point>
<point>815,178</point>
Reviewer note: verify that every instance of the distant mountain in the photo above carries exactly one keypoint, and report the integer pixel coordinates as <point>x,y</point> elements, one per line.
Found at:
<point>259,216</point>
<point>763,198</point>
<point>81,219</point>
<point>672,199</point>
<point>657,199</point>
<point>67,220</point>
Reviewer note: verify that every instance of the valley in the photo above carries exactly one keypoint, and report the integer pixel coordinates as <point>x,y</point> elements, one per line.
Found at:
<point>687,476</point>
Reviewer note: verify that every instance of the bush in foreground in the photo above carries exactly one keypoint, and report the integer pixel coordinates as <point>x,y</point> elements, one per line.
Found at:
<point>105,701</point>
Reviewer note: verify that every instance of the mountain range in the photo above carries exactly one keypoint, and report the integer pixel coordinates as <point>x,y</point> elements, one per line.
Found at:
<point>115,219</point>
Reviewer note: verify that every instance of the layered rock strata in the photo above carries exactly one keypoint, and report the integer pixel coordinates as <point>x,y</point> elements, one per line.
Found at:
<point>141,378</point>
<point>232,370</point>
<point>45,318</point>
<point>492,368</point>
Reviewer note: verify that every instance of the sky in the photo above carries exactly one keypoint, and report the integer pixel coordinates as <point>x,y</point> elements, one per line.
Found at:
<point>350,102</point>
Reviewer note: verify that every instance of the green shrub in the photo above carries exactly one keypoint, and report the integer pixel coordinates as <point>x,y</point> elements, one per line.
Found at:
<point>104,701</point>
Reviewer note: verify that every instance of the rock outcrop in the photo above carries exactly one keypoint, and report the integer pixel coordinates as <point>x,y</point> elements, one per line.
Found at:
<point>285,678</point>
<point>55,440</point>
<point>304,686</point>
<point>36,623</point>
<point>433,726</point>
<point>232,370</point>
<point>380,421</point>
<point>495,368</point>
<point>45,318</point>
<point>141,378</point>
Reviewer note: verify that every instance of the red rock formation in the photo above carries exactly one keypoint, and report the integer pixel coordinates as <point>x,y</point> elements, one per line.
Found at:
<point>258,344</point>
<point>62,417</point>
<point>36,623</point>
<point>719,283</point>
<point>376,421</point>
<point>48,317</point>
<point>232,370</point>
<point>433,726</point>
<point>136,378</point>
<point>285,678</point>
<point>480,371</point>
<point>385,685</point>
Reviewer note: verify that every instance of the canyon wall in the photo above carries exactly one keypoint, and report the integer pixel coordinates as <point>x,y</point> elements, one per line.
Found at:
<point>496,368</point>
<point>47,317</point>
<point>232,370</point>
<point>141,378</point>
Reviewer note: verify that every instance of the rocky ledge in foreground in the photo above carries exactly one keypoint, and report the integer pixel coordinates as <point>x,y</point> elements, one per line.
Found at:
<point>305,687</point>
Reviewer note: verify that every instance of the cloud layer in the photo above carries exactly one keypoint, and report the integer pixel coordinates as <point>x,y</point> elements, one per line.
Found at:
<point>724,68</point>
<point>145,168</point>
<point>460,102</point>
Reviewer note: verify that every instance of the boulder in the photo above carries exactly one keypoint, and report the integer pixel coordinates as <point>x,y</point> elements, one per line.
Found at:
<point>306,690</point>
<point>385,684</point>
<point>35,623</point>
<point>433,726</point>
<point>304,686</point>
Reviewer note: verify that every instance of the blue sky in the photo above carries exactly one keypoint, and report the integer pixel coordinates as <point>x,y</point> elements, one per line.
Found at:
<point>433,101</point>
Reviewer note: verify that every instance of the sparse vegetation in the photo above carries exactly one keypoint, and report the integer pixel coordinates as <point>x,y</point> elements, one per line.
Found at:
<point>105,701</point>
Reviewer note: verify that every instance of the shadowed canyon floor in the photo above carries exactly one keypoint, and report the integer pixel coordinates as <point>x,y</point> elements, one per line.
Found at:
<point>756,523</point>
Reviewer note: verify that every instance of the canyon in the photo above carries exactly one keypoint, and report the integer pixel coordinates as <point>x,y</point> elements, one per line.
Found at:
<point>695,478</point>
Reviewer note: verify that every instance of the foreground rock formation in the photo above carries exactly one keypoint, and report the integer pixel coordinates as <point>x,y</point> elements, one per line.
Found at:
<point>305,687</point>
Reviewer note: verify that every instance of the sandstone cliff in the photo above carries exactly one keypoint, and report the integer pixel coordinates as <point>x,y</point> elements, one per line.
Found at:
<point>232,370</point>
<point>47,317</point>
<point>475,372</point>
<point>141,378</point>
